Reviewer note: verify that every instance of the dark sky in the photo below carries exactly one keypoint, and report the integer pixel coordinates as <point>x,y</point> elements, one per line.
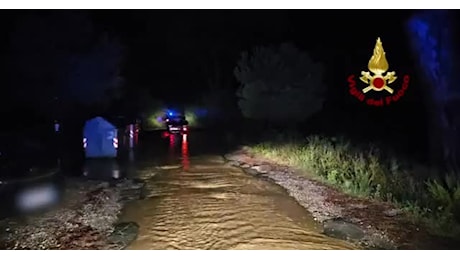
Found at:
<point>161,41</point>
<point>163,47</point>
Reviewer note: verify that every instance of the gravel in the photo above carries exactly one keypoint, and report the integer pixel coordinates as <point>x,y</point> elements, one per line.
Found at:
<point>307,193</point>
<point>84,220</point>
<point>316,198</point>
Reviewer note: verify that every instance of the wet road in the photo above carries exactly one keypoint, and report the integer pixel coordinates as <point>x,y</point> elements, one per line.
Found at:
<point>196,201</point>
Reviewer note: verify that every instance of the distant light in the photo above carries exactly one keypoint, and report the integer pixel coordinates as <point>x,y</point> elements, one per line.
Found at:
<point>170,113</point>
<point>115,142</point>
<point>131,133</point>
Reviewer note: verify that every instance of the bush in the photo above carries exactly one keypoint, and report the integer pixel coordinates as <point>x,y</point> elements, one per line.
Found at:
<point>367,173</point>
<point>281,85</point>
<point>153,120</point>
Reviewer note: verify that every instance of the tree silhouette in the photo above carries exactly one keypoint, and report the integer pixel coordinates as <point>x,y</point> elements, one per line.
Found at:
<point>279,85</point>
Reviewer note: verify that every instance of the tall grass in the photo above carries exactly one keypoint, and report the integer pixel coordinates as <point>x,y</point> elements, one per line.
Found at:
<point>369,173</point>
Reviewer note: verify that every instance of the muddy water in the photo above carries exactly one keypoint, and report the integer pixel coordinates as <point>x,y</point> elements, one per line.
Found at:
<point>199,202</point>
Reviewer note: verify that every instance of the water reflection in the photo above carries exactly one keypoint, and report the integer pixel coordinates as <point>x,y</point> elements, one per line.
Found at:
<point>171,150</point>
<point>212,205</point>
<point>131,155</point>
<point>185,155</point>
<point>102,169</point>
<point>173,153</point>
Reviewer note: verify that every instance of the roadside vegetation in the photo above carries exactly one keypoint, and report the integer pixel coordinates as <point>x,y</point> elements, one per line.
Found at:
<point>282,87</point>
<point>368,172</point>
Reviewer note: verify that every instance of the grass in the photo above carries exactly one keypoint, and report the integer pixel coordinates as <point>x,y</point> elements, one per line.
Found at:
<point>368,173</point>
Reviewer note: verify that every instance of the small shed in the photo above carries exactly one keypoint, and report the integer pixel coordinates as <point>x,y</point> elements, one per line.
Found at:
<point>100,138</point>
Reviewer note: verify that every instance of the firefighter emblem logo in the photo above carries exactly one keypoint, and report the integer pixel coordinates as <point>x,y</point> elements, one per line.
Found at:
<point>378,81</point>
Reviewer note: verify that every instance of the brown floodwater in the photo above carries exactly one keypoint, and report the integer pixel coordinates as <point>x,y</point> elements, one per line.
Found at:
<point>200,202</point>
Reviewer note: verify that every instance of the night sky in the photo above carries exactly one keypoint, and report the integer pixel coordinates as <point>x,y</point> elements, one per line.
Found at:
<point>162,44</point>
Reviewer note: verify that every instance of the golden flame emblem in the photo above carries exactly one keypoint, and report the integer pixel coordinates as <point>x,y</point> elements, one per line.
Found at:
<point>378,65</point>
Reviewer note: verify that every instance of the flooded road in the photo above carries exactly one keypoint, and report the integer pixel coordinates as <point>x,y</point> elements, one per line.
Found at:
<point>196,201</point>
